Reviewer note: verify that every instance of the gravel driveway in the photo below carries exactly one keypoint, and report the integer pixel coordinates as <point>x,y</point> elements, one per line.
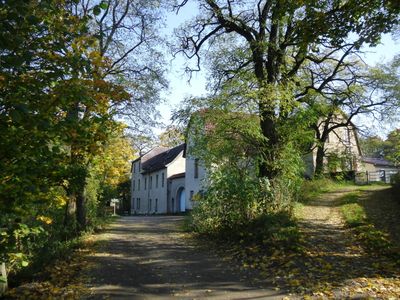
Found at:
<point>150,258</point>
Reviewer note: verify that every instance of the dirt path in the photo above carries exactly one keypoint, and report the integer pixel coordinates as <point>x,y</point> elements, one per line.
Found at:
<point>149,258</point>
<point>324,229</point>
<point>333,264</point>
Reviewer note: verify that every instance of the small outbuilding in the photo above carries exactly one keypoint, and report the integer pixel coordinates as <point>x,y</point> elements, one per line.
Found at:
<point>378,169</point>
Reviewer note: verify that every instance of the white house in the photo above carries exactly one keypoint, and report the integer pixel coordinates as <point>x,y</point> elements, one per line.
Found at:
<point>194,177</point>
<point>157,181</point>
<point>166,180</point>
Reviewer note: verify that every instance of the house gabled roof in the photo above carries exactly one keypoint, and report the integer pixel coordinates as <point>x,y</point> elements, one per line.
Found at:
<point>161,159</point>
<point>377,161</point>
<point>149,154</point>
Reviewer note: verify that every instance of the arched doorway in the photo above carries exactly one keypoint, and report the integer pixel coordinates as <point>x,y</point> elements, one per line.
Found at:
<point>181,199</point>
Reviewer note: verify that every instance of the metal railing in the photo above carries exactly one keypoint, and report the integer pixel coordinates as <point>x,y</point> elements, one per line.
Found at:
<point>375,176</point>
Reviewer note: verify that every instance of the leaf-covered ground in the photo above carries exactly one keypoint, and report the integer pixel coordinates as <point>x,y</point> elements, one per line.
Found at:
<point>62,279</point>
<point>333,261</point>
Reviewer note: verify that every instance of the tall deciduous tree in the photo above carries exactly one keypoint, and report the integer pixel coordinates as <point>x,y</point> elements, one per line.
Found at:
<point>55,106</point>
<point>129,40</point>
<point>275,40</point>
<point>126,53</point>
<point>392,146</point>
<point>372,146</point>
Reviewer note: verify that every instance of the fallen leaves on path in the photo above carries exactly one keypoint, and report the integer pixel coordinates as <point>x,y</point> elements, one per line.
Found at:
<point>62,279</point>
<point>331,262</point>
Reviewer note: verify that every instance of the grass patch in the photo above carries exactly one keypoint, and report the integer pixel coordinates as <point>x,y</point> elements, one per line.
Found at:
<point>312,189</point>
<point>351,198</point>
<point>354,214</point>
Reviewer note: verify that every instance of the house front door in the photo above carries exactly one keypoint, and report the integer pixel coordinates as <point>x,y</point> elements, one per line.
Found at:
<point>182,206</point>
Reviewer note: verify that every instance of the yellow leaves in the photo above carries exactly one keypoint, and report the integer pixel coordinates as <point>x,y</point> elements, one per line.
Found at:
<point>60,200</point>
<point>44,219</point>
<point>294,282</point>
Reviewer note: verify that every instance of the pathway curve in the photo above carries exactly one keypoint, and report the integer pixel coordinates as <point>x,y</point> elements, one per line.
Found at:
<point>149,258</point>
<point>333,263</point>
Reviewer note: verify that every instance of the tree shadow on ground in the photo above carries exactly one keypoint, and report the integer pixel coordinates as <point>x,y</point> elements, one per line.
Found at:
<point>333,263</point>
<point>149,257</point>
<point>382,208</point>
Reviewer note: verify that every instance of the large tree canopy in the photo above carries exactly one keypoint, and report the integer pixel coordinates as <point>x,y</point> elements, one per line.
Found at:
<point>128,39</point>
<point>277,40</point>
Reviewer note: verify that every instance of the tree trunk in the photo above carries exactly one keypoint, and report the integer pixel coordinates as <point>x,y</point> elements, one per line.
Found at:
<point>267,166</point>
<point>3,278</point>
<point>70,209</point>
<point>319,161</point>
<point>81,209</point>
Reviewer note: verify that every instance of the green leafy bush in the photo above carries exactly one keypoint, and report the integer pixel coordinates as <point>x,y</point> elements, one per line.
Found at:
<point>18,243</point>
<point>233,198</point>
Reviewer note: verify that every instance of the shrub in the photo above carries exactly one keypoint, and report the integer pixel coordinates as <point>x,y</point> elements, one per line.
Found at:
<point>235,198</point>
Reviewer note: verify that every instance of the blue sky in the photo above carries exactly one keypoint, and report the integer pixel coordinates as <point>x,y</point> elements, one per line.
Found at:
<point>180,88</point>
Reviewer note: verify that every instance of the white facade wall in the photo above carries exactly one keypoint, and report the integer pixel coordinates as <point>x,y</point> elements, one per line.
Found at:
<point>148,196</point>
<point>150,190</point>
<point>193,184</point>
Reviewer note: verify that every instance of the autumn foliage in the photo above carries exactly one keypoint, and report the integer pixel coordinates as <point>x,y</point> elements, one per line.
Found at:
<point>57,126</point>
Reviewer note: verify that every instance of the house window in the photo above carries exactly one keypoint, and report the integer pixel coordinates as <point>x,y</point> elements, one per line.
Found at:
<point>162,179</point>
<point>149,205</point>
<point>138,185</point>
<point>133,185</point>
<point>138,203</point>
<point>196,168</point>
<point>145,183</point>
<point>134,168</point>
<point>157,181</point>
<point>191,195</point>
<point>150,182</point>
<point>156,206</point>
